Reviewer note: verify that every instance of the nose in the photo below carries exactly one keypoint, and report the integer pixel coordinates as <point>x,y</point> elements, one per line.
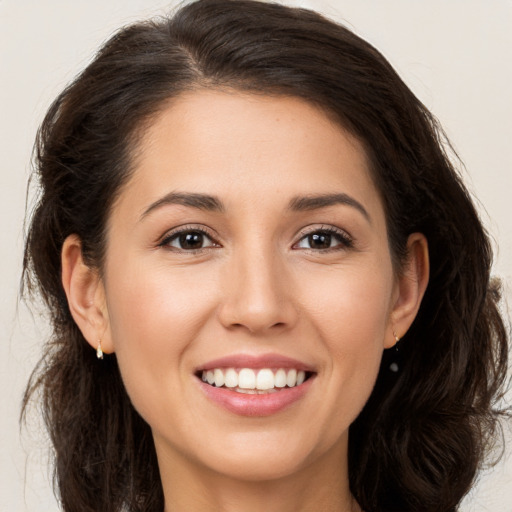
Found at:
<point>257,295</point>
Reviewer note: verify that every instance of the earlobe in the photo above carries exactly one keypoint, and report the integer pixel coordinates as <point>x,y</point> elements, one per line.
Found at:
<point>86,295</point>
<point>411,286</point>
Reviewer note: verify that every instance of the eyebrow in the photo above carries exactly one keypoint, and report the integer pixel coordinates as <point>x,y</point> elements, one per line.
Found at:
<point>316,202</point>
<point>209,203</point>
<point>200,201</point>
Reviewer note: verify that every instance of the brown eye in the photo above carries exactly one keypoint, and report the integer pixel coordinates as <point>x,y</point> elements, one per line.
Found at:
<point>189,241</point>
<point>325,239</point>
<point>319,241</point>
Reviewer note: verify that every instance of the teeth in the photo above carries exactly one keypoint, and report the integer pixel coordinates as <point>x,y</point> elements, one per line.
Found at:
<point>265,379</point>
<point>291,378</point>
<point>250,381</point>
<point>219,377</point>
<point>255,391</point>
<point>230,378</point>
<point>247,379</point>
<point>280,379</point>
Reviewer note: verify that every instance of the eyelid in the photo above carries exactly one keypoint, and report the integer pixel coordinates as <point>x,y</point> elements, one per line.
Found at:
<point>178,230</point>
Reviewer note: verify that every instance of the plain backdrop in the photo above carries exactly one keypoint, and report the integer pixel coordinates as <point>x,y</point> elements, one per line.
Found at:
<point>454,54</point>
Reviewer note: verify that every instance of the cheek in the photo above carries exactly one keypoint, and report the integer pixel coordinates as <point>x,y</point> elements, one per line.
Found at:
<point>154,316</point>
<point>352,306</point>
<point>148,302</point>
<point>351,313</point>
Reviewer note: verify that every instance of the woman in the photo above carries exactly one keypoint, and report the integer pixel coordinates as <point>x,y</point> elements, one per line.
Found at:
<point>269,288</point>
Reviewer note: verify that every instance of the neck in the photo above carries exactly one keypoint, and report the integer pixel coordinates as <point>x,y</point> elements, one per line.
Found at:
<point>322,485</point>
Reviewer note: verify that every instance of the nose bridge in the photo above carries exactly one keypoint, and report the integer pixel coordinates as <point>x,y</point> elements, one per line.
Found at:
<point>256,295</point>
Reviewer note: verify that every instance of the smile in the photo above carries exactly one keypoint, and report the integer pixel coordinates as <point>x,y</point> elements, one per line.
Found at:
<point>249,381</point>
<point>255,385</point>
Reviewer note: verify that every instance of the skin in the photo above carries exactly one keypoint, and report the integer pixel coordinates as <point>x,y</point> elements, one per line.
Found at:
<point>256,286</point>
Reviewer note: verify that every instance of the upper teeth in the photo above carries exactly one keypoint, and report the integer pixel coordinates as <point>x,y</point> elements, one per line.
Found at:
<point>247,378</point>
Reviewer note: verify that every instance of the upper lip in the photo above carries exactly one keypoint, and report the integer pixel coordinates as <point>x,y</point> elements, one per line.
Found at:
<point>256,362</point>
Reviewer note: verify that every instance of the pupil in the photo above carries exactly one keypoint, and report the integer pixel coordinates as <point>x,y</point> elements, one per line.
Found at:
<point>320,241</point>
<point>191,240</point>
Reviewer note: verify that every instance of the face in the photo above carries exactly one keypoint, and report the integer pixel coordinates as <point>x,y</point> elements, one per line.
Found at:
<point>249,246</point>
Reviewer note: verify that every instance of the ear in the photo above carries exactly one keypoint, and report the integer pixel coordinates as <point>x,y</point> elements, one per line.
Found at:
<point>86,295</point>
<point>410,288</point>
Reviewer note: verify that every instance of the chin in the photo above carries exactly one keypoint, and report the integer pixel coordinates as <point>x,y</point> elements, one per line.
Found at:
<point>253,467</point>
<point>264,457</point>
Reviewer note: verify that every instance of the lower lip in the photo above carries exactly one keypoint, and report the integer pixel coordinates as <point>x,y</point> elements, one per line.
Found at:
<point>256,405</point>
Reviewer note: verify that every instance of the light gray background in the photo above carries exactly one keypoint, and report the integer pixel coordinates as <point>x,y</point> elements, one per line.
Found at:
<point>455,55</point>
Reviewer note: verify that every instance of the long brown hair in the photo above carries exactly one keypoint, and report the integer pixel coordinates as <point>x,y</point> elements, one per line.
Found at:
<point>421,437</point>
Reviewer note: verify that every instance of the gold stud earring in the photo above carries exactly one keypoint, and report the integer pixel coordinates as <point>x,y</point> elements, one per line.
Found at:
<point>397,339</point>
<point>99,352</point>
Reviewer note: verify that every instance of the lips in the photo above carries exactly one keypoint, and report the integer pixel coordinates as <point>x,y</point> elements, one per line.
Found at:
<point>256,362</point>
<point>255,385</point>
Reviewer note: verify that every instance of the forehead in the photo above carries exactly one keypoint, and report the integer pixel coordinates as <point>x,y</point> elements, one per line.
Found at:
<point>241,145</point>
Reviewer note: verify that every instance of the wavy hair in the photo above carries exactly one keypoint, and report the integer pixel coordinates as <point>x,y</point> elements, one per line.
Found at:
<point>421,437</point>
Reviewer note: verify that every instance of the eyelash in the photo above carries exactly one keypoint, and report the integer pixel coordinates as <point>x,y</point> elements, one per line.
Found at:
<point>184,230</point>
<point>345,240</point>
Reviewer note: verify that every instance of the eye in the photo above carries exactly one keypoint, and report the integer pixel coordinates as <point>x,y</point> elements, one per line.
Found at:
<point>188,240</point>
<point>325,239</point>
